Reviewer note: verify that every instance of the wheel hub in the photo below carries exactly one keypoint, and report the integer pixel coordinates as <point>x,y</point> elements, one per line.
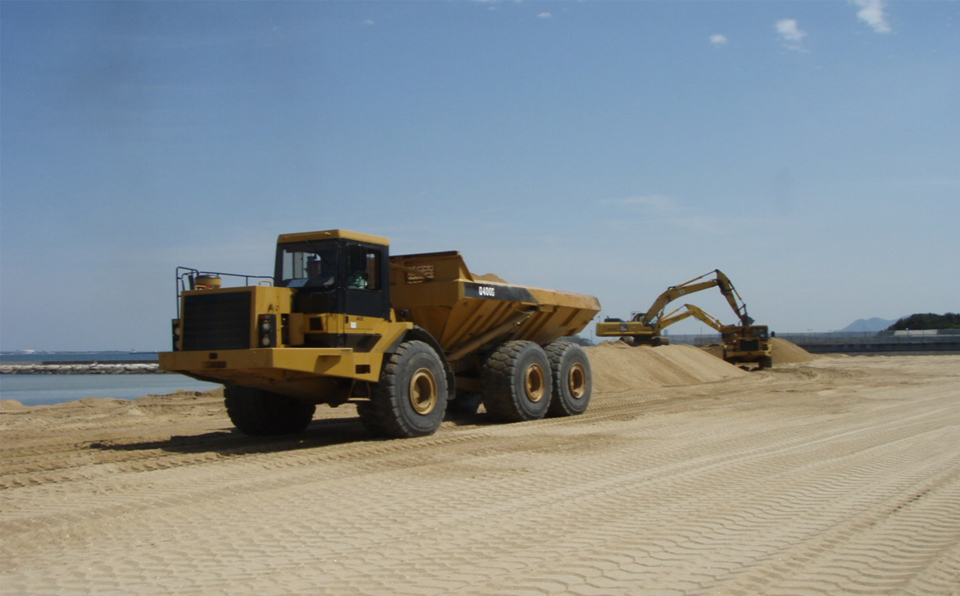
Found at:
<point>423,391</point>
<point>534,383</point>
<point>577,381</point>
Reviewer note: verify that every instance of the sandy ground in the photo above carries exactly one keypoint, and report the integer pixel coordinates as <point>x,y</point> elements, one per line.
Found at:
<point>831,475</point>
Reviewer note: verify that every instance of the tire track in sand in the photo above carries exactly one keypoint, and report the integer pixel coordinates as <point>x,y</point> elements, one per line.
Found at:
<point>732,492</point>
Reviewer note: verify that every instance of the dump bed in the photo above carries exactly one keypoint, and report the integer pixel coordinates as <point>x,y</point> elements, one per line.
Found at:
<point>464,312</point>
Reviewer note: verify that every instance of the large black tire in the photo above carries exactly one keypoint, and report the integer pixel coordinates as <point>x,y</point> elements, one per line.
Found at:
<point>572,379</point>
<point>765,362</point>
<point>410,399</point>
<point>517,383</point>
<point>369,421</point>
<point>257,412</point>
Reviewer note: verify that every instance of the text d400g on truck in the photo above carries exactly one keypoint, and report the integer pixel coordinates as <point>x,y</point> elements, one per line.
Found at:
<point>402,337</point>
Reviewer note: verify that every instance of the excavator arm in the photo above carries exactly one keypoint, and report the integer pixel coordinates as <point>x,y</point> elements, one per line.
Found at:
<point>704,316</point>
<point>692,286</point>
<point>673,317</point>
<point>733,298</point>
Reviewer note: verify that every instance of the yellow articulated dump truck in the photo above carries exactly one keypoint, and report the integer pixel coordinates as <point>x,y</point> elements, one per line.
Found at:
<point>403,337</point>
<point>742,344</point>
<point>747,344</point>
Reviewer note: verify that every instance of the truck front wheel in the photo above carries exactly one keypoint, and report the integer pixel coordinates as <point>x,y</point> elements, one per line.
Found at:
<point>572,379</point>
<point>517,383</point>
<point>411,398</point>
<point>257,412</point>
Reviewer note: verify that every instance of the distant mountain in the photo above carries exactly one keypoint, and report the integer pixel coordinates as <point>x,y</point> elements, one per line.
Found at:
<point>865,325</point>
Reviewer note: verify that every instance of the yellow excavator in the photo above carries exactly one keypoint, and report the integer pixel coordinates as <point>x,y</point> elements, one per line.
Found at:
<point>645,329</point>
<point>742,344</point>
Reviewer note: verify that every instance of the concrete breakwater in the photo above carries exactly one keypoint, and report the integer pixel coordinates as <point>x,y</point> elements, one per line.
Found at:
<point>933,341</point>
<point>82,368</point>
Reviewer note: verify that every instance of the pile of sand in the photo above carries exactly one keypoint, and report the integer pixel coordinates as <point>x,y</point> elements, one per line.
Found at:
<point>782,351</point>
<point>618,367</point>
<point>714,350</point>
<point>786,352</point>
<point>489,277</point>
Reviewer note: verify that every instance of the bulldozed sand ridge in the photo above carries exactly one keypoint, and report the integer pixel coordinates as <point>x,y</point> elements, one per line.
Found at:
<point>686,475</point>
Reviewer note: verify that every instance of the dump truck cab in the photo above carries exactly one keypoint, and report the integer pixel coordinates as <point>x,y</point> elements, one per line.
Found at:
<point>341,288</point>
<point>335,272</point>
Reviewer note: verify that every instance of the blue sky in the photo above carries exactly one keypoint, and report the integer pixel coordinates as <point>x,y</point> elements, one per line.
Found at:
<point>810,150</point>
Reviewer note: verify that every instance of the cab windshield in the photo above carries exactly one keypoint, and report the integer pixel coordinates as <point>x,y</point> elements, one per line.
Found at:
<point>307,265</point>
<point>325,265</point>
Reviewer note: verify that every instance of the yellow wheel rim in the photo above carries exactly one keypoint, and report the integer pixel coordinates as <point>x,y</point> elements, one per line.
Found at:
<point>577,381</point>
<point>534,383</point>
<point>423,391</point>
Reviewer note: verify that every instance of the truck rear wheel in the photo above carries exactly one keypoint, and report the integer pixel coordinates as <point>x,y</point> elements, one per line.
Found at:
<point>517,383</point>
<point>257,412</point>
<point>411,398</point>
<point>572,379</point>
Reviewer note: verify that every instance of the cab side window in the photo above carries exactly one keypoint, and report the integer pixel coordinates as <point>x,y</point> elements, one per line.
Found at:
<point>363,269</point>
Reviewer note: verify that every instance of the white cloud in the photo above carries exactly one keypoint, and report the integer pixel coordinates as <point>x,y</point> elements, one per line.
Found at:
<point>718,40</point>
<point>790,34</point>
<point>871,13</point>
<point>667,214</point>
<point>544,15</point>
<point>657,203</point>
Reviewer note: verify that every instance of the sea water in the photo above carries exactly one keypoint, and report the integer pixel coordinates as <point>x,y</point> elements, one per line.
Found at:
<point>45,390</point>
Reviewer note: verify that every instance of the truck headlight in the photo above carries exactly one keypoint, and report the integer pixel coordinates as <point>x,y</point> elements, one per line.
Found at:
<point>267,326</point>
<point>175,328</point>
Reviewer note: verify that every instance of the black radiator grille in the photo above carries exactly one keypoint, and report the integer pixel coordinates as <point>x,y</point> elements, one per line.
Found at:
<point>217,321</point>
<point>749,345</point>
